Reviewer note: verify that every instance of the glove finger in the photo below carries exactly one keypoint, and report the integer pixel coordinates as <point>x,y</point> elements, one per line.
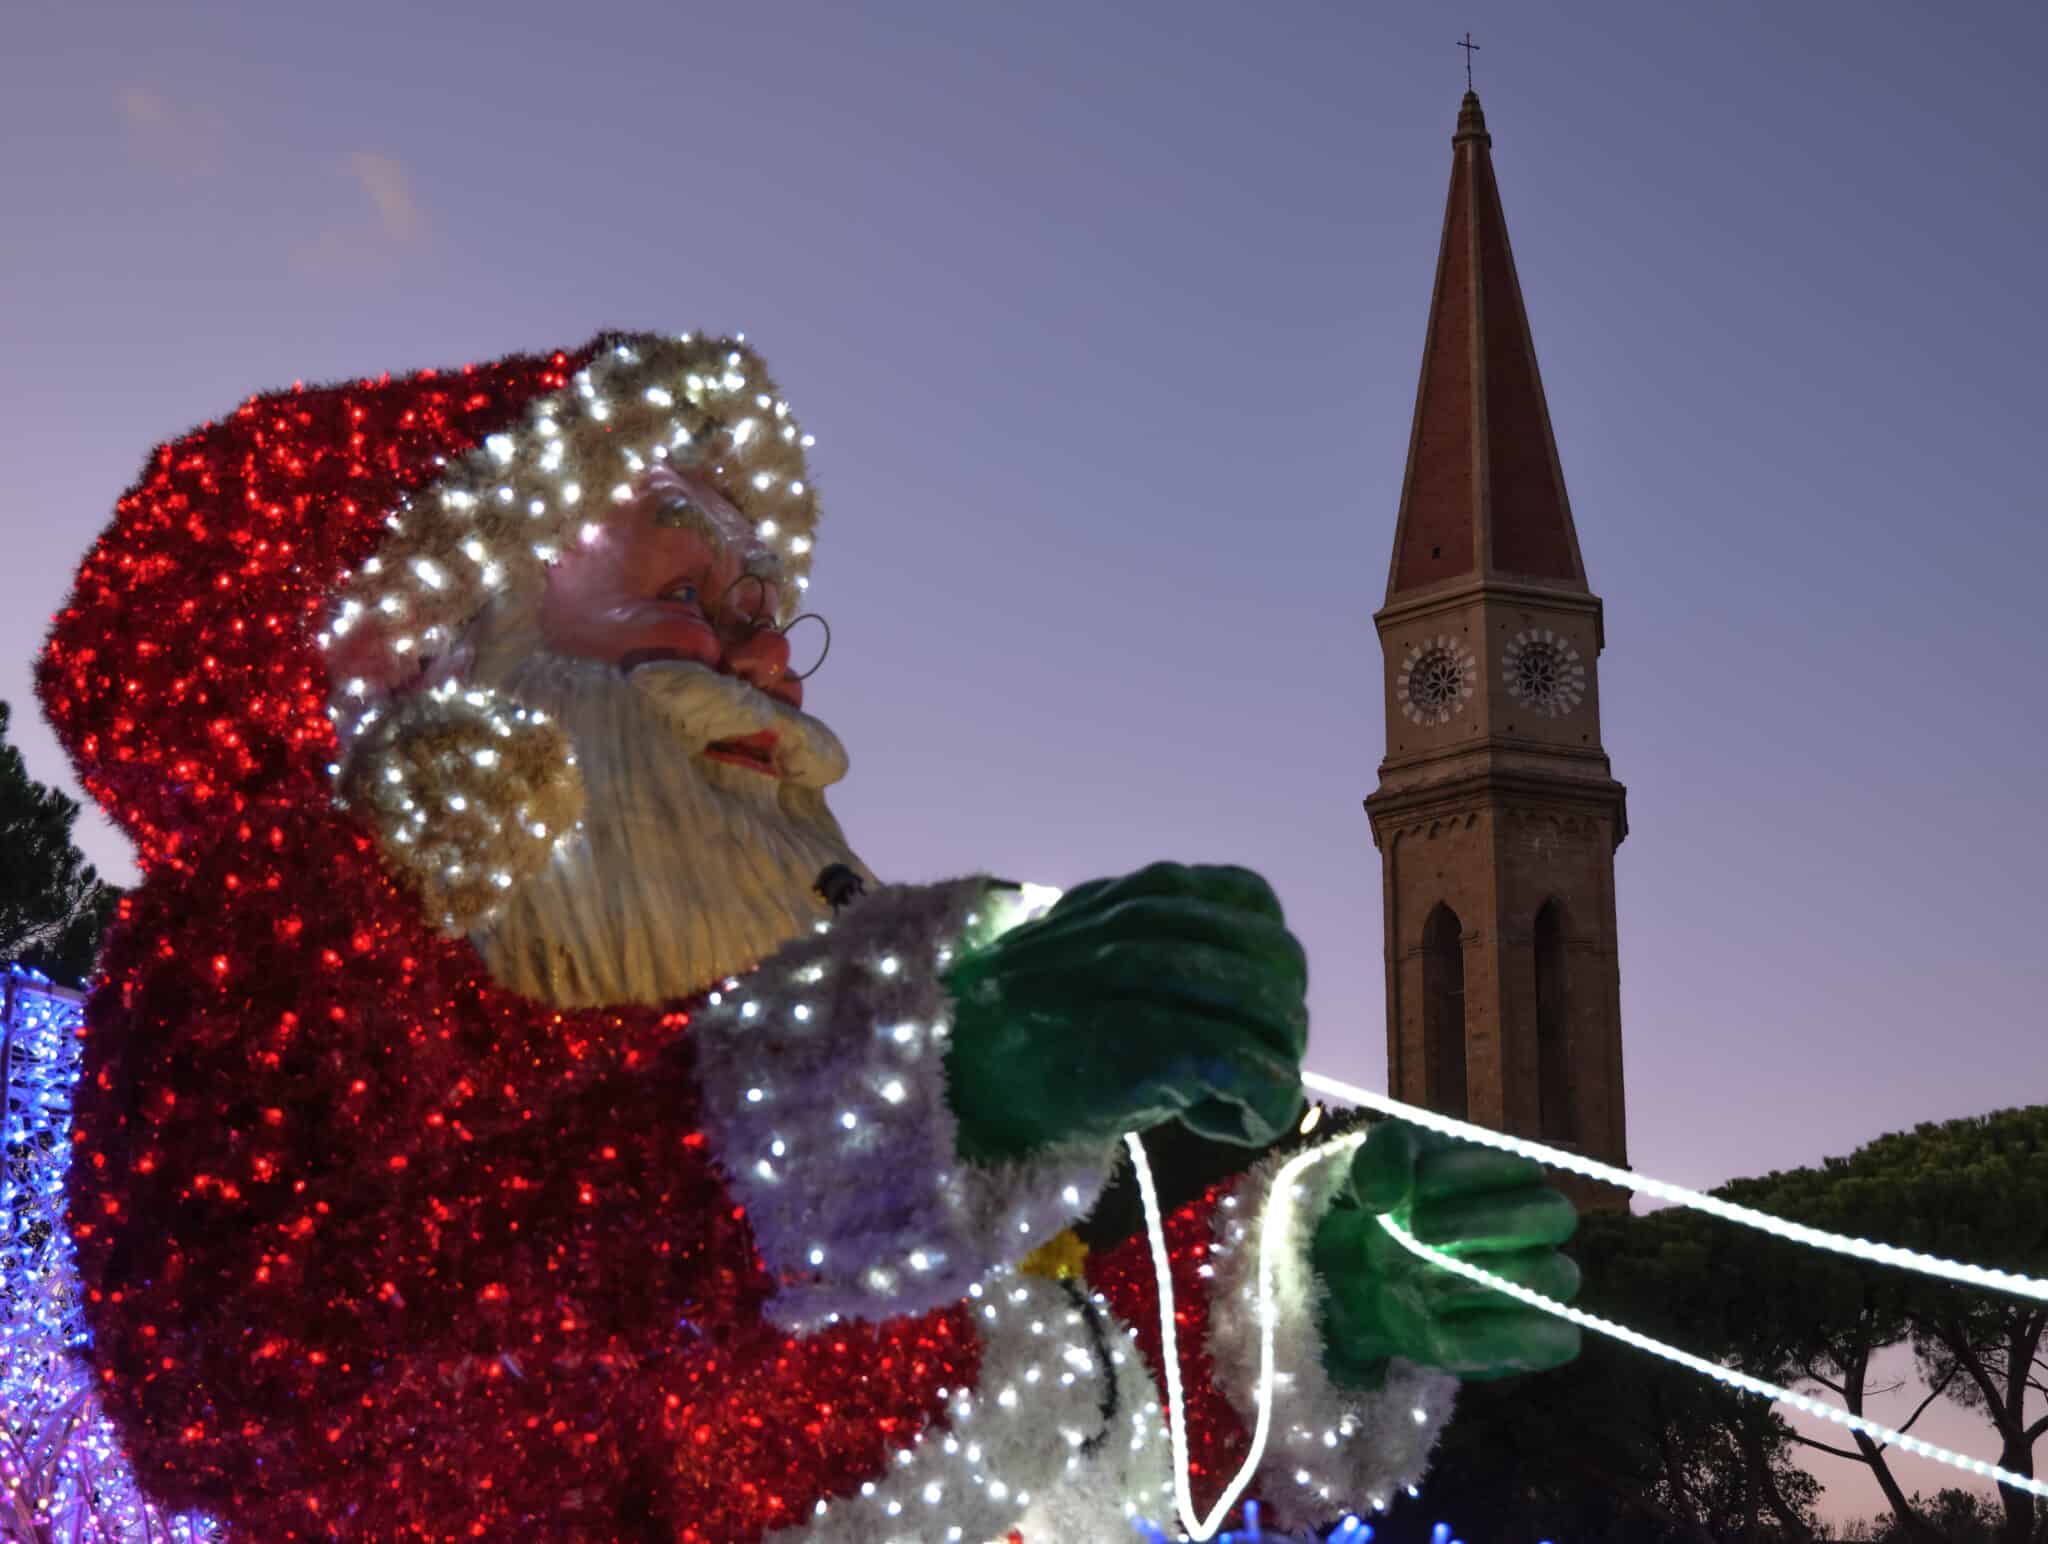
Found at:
<point>1225,884</point>
<point>1163,919</point>
<point>1224,1120</point>
<point>1383,1170</point>
<point>1237,1070</point>
<point>1504,1341</point>
<point>1080,898</point>
<point>1184,978</point>
<point>1495,1222</point>
<point>1077,1092</point>
<point>1341,1249</point>
<point>1467,1168</point>
<point>1202,1057</point>
<point>1545,1271</point>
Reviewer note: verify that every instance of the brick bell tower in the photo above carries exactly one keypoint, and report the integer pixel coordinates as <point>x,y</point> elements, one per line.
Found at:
<point>1497,816</point>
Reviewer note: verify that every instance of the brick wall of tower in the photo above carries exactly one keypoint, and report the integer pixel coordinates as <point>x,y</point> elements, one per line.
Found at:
<point>1494,856</point>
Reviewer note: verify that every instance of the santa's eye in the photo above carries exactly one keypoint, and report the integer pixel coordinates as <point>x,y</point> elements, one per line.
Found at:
<point>685,592</point>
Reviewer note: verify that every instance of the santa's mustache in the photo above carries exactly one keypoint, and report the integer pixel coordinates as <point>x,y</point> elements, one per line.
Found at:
<point>703,706</point>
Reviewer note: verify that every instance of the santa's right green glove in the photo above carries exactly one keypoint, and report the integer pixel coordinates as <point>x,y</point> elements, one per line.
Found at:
<point>1173,992</point>
<point>1381,1301</point>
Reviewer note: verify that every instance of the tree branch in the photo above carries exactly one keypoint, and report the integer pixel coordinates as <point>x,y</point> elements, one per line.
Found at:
<point>1873,1455</point>
<point>1964,1350</point>
<point>1938,1390</point>
<point>1848,1453</point>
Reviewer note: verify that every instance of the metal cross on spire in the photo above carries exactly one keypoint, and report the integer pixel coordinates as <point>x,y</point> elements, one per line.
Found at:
<point>1468,45</point>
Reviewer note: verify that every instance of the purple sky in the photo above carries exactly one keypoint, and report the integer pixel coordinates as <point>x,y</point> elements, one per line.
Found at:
<point>1109,329</point>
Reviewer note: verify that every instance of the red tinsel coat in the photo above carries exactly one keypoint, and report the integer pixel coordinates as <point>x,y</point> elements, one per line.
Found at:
<point>375,1249</point>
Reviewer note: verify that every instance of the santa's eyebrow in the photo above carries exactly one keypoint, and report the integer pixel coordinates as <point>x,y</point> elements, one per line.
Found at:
<point>681,513</point>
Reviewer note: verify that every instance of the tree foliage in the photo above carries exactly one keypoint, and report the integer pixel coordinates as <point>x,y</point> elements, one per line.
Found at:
<point>53,905</point>
<point>1959,1516</point>
<point>1973,1189</point>
<point>1622,1447</point>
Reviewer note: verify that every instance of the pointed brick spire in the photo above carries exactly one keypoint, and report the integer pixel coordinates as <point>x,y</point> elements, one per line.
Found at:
<point>1483,495</point>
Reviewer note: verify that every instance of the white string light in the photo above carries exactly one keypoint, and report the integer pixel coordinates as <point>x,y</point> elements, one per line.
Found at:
<point>1272,1232</point>
<point>2012,1282</point>
<point>1273,1227</point>
<point>1826,1410</point>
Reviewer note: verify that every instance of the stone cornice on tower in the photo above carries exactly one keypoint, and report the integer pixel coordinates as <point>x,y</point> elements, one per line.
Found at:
<point>1483,497</point>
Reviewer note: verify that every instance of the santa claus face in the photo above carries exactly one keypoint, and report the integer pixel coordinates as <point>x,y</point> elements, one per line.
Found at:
<point>675,574</point>
<point>705,826</point>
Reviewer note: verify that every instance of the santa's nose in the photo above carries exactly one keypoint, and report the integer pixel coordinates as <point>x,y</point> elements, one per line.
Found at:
<point>761,659</point>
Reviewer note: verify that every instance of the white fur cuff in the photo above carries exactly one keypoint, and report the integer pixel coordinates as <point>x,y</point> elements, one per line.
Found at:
<point>824,1096</point>
<point>1331,1448</point>
<point>1063,1438</point>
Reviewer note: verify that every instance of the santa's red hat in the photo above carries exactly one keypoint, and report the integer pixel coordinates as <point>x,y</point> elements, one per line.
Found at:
<point>319,545</point>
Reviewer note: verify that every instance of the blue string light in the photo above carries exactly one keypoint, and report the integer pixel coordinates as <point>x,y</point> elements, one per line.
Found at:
<point>1352,1530</point>
<point>62,1473</point>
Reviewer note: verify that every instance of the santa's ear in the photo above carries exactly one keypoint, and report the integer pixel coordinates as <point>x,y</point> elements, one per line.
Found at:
<point>469,795</point>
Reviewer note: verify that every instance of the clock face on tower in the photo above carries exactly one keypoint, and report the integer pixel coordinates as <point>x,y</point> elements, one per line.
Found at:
<point>1542,672</point>
<point>1436,679</point>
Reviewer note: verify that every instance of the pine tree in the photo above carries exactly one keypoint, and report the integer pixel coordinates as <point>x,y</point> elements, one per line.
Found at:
<point>53,904</point>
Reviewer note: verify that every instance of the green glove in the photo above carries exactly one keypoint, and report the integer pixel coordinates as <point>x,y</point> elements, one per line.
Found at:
<point>1171,992</point>
<point>1475,1202</point>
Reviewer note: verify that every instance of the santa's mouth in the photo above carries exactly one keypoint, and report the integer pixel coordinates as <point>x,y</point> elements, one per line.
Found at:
<point>755,752</point>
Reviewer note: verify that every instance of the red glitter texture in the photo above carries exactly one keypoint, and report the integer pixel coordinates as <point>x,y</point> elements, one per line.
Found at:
<point>375,1250</point>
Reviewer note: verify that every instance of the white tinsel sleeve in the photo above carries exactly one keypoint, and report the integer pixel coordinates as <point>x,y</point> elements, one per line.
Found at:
<point>824,1096</point>
<point>1331,1448</point>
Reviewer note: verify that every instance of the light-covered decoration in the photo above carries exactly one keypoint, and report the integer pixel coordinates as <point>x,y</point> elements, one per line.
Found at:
<point>1436,680</point>
<point>1335,1449</point>
<point>1062,1439</point>
<point>384,1248</point>
<point>1542,671</point>
<point>469,795</point>
<point>500,513</point>
<point>914,1228</point>
<point>62,1473</point>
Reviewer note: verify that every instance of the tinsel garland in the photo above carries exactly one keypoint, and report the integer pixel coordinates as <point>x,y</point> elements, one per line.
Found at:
<point>468,795</point>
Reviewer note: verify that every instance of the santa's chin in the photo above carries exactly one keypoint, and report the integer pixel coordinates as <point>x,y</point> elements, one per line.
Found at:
<point>712,712</point>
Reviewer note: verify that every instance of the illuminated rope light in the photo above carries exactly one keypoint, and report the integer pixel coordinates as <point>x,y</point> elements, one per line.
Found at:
<point>1956,1271</point>
<point>1728,1375</point>
<point>1272,1230</point>
<point>1272,1227</point>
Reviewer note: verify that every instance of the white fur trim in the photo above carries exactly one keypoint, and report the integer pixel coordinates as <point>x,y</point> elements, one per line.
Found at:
<point>499,515</point>
<point>1331,1448</point>
<point>824,1087</point>
<point>1029,1448</point>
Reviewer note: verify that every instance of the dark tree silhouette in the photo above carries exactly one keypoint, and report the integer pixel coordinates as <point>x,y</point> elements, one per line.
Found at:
<point>53,905</point>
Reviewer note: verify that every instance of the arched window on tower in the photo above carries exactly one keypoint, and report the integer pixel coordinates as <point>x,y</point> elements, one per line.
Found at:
<point>1443,1011</point>
<point>1559,1118</point>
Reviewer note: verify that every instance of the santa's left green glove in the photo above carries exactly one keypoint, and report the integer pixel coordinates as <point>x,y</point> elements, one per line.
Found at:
<point>1172,993</point>
<point>1476,1203</point>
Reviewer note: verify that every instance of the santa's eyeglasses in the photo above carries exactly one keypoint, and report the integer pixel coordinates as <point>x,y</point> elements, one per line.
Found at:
<point>738,618</point>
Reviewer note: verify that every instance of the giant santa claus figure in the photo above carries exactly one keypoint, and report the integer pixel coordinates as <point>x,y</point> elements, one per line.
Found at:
<point>490,1131</point>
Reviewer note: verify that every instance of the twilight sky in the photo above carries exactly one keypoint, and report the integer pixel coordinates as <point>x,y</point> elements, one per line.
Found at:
<point>1108,320</point>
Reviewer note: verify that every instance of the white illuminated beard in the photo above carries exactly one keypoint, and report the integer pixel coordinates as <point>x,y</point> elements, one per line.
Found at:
<point>685,870</point>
